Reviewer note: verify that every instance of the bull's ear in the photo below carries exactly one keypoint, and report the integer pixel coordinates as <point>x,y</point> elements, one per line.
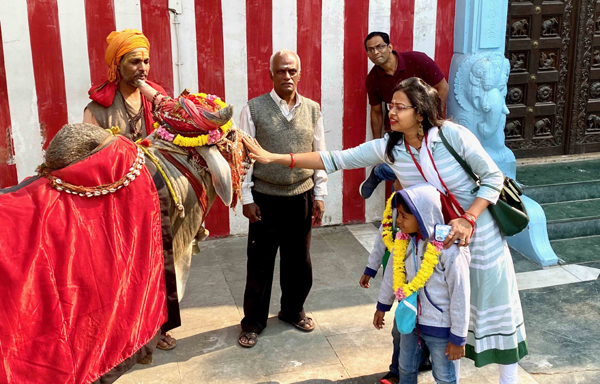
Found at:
<point>220,172</point>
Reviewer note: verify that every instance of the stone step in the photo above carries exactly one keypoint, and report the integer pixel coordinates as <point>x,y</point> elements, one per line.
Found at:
<point>570,228</point>
<point>559,182</point>
<point>558,173</point>
<point>577,250</point>
<point>551,193</point>
<point>580,209</point>
<point>569,219</point>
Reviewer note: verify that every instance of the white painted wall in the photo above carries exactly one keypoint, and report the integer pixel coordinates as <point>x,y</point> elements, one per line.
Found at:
<point>71,18</point>
<point>379,20</point>
<point>236,77</point>
<point>285,13</point>
<point>332,96</point>
<point>128,14</point>
<point>424,26</point>
<point>22,95</point>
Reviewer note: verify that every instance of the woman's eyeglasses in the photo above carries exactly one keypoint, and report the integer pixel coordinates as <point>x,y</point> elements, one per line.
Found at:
<point>398,107</point>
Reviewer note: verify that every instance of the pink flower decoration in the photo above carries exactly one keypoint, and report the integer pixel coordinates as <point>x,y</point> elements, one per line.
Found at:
<point>401,236</point>
<point>211,97</point>
<point>213,136</point>
<point>399,294</point>
<point>438,245</point>
<point>164,134</point>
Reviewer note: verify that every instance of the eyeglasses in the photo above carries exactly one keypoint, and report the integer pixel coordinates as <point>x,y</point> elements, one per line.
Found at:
<point>398,107</point>
<point>380,48</point>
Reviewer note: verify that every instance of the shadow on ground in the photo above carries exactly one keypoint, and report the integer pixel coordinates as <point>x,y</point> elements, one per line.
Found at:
<point>368,379</point>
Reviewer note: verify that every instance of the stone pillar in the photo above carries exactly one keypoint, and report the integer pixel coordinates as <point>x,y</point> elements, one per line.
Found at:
<point>478,78</point>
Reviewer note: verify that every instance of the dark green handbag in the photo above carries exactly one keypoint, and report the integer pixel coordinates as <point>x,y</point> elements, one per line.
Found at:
<point>509,212</point>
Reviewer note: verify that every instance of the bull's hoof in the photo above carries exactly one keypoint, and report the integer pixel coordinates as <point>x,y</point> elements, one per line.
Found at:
<point>146,360</point>
<point>202,234</point>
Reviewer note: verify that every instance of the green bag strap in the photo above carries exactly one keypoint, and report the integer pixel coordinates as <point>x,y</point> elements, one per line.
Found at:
<point>464,164</point>
<point>384,261</point>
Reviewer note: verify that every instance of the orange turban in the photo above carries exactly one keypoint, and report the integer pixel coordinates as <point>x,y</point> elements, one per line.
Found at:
<point>119,44</point>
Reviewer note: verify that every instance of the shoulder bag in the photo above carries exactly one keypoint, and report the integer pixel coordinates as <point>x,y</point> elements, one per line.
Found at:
<point>509,212</point>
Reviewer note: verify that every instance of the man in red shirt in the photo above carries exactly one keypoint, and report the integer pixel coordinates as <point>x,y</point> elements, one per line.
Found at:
<point>390,69</point>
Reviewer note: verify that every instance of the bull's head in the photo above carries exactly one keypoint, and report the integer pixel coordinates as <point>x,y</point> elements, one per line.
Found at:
<point>182,114</point>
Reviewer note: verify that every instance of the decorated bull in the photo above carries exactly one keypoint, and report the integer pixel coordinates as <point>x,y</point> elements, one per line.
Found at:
<point>96,249</point>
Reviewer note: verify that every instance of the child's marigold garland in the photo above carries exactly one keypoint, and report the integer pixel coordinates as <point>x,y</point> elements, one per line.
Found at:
<point>398,247</point>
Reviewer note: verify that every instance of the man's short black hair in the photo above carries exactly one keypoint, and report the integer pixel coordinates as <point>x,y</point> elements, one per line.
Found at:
<point>383,35</point>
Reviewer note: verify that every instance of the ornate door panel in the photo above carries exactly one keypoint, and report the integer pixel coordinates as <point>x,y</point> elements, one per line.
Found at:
<point>538,47</point>
<point>585,127</point>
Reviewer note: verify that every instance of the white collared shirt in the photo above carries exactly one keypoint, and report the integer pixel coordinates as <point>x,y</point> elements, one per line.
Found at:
<point>247,125</point>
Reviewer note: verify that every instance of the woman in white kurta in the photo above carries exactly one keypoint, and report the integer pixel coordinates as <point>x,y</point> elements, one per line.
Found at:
<point>496,329</point>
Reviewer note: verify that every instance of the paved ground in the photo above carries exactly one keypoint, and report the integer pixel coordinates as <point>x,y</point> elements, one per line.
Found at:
<point>561,306</point>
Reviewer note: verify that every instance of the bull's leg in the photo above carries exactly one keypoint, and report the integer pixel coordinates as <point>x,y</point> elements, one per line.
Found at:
<point>182,270</point>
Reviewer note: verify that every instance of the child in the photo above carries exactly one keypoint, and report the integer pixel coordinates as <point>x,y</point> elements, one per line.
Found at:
<point>378,257</point>
<point>443,290</point>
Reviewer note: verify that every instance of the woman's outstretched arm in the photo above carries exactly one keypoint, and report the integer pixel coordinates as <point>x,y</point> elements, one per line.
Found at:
<point>309,160</point>
<point>365,155</point>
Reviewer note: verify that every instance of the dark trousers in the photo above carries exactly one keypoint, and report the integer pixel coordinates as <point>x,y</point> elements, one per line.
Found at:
<point>285,225</point>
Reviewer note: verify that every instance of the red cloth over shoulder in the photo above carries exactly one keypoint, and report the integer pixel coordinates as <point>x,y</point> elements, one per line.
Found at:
<point>104,95</point>
<point>83,282</point>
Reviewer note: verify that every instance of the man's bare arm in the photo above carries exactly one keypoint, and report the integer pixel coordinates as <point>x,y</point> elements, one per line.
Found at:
<point>376,120</point>
<point>89,118</point>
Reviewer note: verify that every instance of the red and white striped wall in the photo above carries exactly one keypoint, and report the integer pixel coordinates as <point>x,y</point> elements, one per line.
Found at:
<point>53,50</point>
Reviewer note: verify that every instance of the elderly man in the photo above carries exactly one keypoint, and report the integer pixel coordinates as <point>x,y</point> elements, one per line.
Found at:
<point>118,101</point>
<point>390,69</point>
<point>279,202</point>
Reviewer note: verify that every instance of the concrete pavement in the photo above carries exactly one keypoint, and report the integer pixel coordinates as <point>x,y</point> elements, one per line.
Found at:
<point>344,348</point>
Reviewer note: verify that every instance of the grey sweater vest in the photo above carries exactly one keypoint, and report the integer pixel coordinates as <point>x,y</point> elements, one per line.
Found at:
<point>278,135</point>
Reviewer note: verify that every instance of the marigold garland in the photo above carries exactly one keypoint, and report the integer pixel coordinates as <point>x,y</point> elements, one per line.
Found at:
<point>386,223</point>
<point>398,247</point>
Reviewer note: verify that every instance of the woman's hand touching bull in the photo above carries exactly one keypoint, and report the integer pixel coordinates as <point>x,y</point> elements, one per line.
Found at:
<point>256,151</point>
<point>308,160</point>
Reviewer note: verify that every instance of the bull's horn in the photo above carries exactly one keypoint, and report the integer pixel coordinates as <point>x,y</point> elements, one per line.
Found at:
<point>219,170</point>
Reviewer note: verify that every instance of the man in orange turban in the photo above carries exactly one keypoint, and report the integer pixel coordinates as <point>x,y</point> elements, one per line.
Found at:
<point>118,102</point>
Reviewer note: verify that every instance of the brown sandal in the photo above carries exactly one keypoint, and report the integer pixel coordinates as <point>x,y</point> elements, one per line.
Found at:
<point>166,342</point>
<point>307,324</point>
<point>251,339</point>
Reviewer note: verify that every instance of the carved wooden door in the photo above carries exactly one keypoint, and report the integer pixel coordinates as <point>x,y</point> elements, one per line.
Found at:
<point>538,47</point>
<point>584,135</point>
